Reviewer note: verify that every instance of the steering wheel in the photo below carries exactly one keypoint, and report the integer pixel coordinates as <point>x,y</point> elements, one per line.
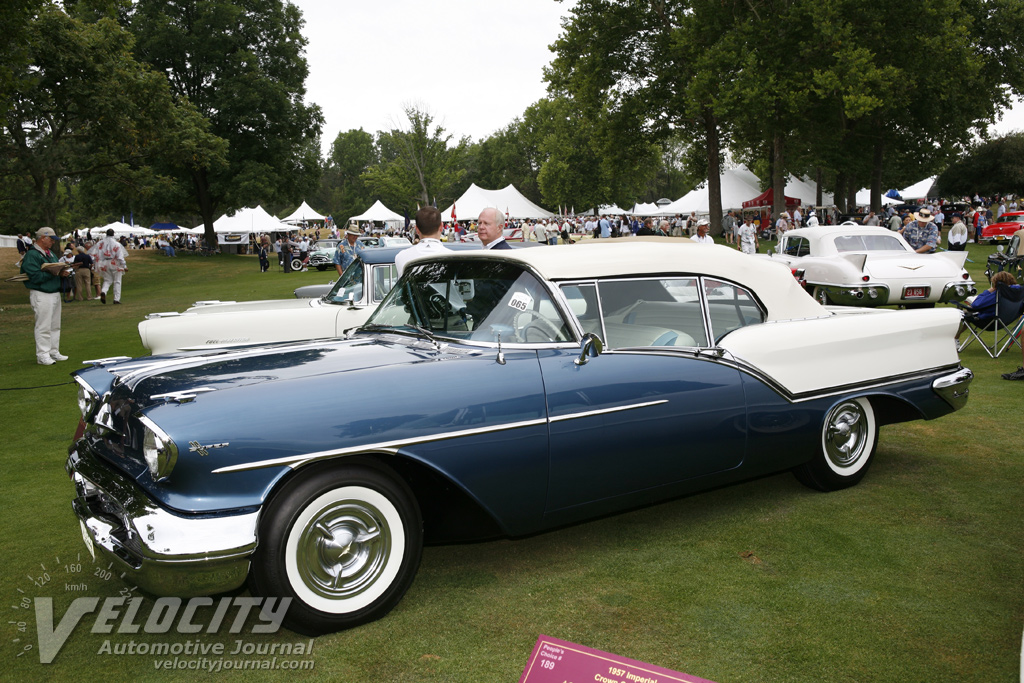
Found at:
<point>437,306</point>
<point>533,327</point>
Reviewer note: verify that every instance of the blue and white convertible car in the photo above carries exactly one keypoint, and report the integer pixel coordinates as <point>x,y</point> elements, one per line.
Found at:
<point>498,394</point>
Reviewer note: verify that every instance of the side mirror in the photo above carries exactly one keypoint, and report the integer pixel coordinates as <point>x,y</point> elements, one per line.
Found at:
<point>590,346</point>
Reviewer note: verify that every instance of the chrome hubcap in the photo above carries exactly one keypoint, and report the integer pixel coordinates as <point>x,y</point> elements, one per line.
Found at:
<point>846,434</point>
<point>343,549</point>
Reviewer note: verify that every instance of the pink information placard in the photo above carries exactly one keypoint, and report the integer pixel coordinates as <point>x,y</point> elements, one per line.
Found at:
<point>559,661</point>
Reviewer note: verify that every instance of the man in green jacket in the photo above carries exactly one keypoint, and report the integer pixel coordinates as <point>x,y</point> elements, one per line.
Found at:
<point>44,294</point>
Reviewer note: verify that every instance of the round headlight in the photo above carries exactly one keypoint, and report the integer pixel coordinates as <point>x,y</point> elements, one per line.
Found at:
<point>158,450</point>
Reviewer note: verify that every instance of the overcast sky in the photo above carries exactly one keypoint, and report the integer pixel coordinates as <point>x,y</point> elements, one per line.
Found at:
<point>473,64</point>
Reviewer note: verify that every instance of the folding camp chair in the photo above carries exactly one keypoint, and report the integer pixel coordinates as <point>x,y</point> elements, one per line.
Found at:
<point>1010,261</point>
<point>1005,327</point>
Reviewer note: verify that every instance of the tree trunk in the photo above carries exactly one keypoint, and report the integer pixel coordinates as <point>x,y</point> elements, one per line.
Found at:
<point>840,192</point>
<point>714,172</point>
<point>876,172</point>
<point>202,187</point>
<point>778,176</point>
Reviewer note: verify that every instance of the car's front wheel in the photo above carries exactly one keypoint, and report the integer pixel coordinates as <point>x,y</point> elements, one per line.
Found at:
<point>343,543</point>
<point>296,264</point>
<point>321,268</point>
<point>849,436</point>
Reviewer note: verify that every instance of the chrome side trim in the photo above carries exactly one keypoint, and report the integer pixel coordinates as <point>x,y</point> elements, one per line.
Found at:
<point>605,411</point>
<point>385,446</point>
<point>392,447</point>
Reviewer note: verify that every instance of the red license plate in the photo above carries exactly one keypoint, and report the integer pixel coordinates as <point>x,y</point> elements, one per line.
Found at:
<point>915,293</point>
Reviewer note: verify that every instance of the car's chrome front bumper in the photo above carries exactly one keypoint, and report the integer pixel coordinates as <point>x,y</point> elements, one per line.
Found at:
<point>161,552</point>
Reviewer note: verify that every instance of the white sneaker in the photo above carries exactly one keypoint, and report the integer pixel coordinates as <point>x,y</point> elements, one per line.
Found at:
<point>45,361</point>
<point>58,356</point>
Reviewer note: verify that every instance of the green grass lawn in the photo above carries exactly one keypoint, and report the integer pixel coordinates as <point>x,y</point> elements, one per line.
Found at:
<point>914,575</point>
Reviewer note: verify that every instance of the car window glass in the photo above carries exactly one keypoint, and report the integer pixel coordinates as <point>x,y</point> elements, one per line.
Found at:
<point>349,284</point>
<point>383,280</point>
<point>730,307</point>
<point>652,312</point>
<point>847,243</point>
<point>797,246</point>
<point>479,300</point>
<point>582,300</point>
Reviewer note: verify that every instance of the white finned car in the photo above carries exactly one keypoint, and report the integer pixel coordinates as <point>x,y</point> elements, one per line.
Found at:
<point>857,265</point>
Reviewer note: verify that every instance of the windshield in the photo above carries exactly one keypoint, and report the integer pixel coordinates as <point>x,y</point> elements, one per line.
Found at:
<point>847,243</point>
<point>350,284</point>
<point>474,299</point>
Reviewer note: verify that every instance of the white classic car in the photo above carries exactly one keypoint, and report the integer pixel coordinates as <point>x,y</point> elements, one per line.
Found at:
<point>213,324</point>
<point>871,266</point>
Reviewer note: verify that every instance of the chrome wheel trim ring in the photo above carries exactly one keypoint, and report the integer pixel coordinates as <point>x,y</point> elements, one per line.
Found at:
<point>345,549</point>
<point>847,437</point>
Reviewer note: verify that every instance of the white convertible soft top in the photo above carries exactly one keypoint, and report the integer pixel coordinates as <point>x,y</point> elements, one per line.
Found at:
<point>773,283</point>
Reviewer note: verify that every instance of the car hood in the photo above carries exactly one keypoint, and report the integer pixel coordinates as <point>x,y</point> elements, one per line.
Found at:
<point>170,378</point>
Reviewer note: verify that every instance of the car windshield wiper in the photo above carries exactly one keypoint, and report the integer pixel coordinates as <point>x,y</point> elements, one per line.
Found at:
<point>377,327</point>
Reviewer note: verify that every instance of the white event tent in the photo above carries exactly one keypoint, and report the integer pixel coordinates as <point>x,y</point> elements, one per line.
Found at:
<point>508,200</point>
<point>120,230</point>
<point>806,191</point>
<point>379,212</point>
<point>641,209</point>
<point>919,190</point>
<point>302,214</point>
<point>236,229</point>
<point>738,185</point>
<point>863,198</point>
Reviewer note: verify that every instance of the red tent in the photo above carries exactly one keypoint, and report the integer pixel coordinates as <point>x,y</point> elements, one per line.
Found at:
<point>767,198</point>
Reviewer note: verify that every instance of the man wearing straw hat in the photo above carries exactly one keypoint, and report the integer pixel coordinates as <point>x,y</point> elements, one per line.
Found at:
<point>922,234</point>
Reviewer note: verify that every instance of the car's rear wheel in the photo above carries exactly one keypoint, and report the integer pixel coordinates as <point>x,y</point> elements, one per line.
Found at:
<point>849,436</point>
<point>343,543</point>
<point>821,296</point>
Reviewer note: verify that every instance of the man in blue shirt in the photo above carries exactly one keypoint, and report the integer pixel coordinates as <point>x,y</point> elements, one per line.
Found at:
<point>348,250</point>
<point>922,234</point>
<point>606,227</point>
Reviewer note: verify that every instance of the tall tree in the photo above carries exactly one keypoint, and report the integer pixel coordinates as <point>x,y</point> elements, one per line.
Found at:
<point>81,108</point>
<point>342,188</point>
<point>990,169</point>
<point>420,163</point>
<point>241,63</point>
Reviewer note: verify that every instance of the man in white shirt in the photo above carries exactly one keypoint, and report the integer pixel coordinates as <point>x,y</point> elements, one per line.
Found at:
<point>428,227</point>
<point>702,236</point>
